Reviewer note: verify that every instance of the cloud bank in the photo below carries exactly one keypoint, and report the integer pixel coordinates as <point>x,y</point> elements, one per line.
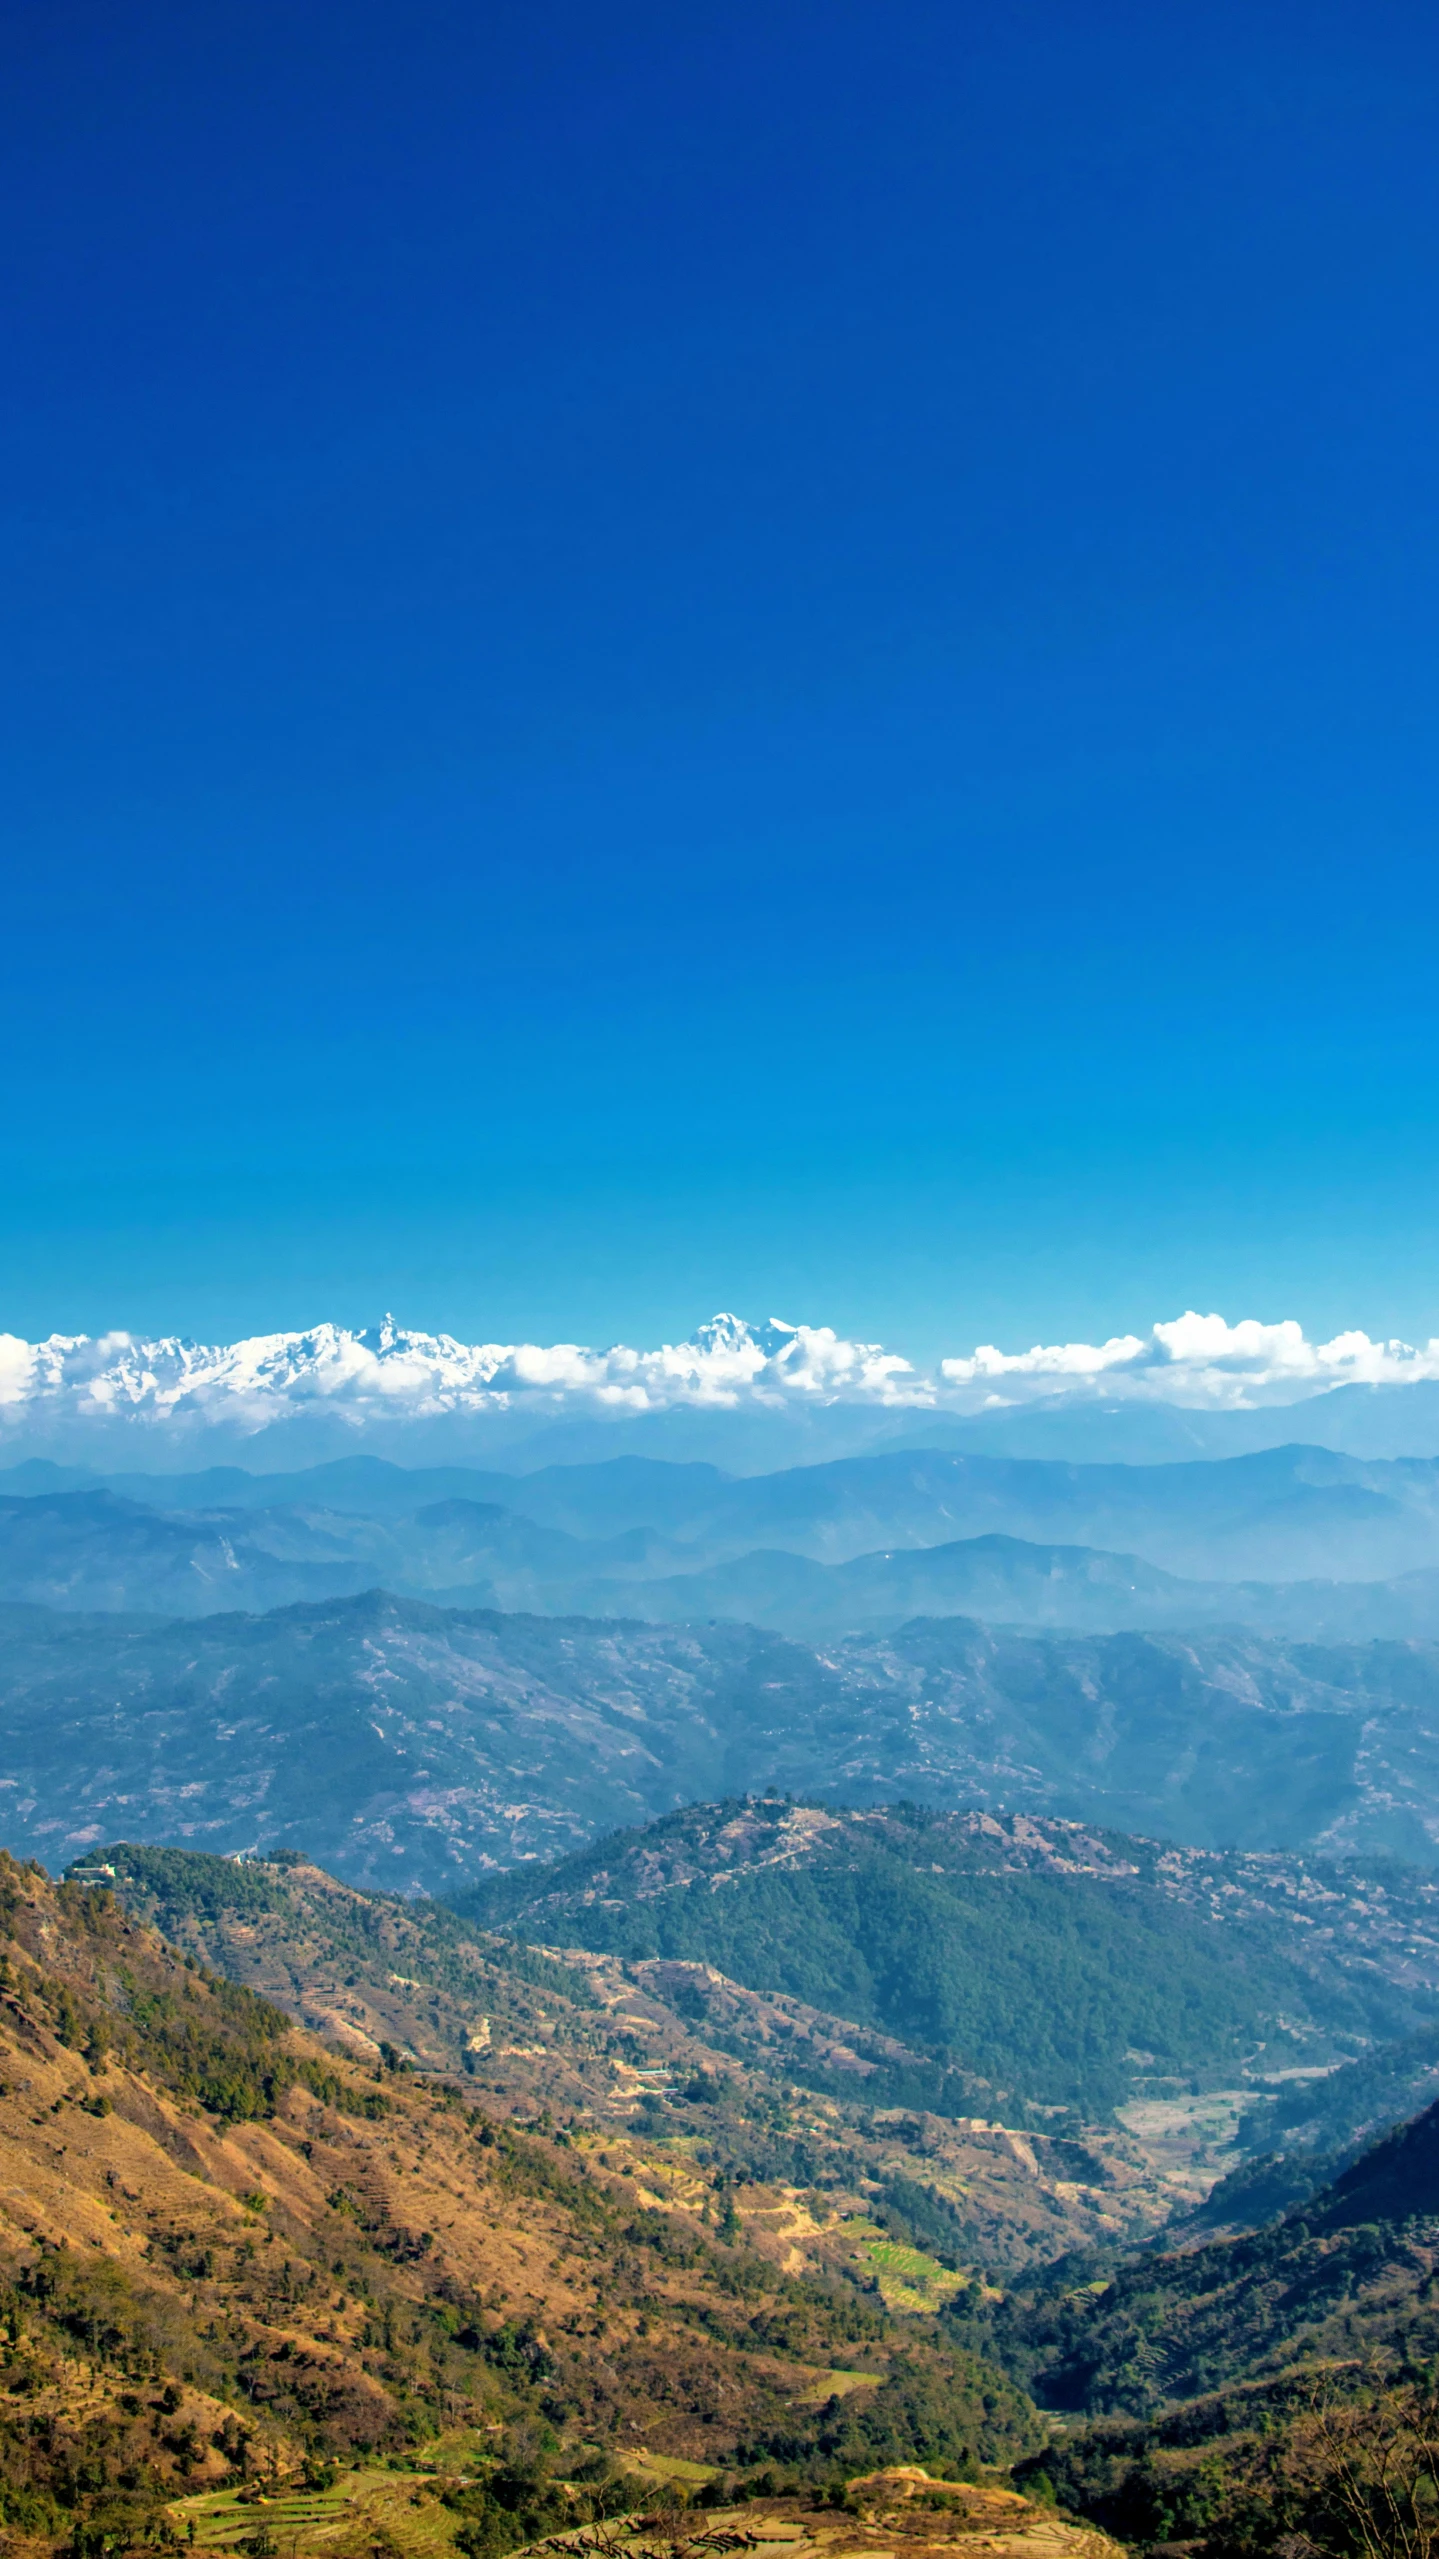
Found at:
<point>175,1387</point>
<point>1199,1361</point>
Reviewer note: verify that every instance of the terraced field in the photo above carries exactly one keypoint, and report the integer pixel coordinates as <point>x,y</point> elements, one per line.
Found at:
<point>373,2507</point>
<point>376,2512</point>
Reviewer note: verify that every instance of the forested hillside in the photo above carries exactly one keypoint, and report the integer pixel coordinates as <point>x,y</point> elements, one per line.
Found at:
<point>1060,1965</point>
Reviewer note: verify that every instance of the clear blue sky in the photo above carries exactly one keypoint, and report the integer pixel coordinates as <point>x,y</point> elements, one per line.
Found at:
<point>769,655</point>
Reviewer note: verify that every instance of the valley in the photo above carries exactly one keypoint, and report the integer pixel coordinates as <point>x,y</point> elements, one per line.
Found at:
<point>399,2223</point>
<point>671,2059</point>
<point>1236,2377</point>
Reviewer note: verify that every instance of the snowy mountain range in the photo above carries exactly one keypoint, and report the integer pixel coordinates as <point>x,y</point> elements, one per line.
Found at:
<point>388,1370</point>
<point>71,1394</point>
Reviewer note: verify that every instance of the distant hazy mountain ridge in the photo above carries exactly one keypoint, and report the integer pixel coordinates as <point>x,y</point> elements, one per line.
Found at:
<point>1298,1540</point>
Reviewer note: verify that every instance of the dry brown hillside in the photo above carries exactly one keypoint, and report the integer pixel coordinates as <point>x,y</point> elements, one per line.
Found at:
<point>227,2251</point>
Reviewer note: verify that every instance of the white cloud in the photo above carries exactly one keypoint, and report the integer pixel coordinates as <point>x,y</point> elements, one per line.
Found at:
<point>1062,1360</point>
<point>389,1374</point>
<point>1198,1360</point>
<point>17,1369</point>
